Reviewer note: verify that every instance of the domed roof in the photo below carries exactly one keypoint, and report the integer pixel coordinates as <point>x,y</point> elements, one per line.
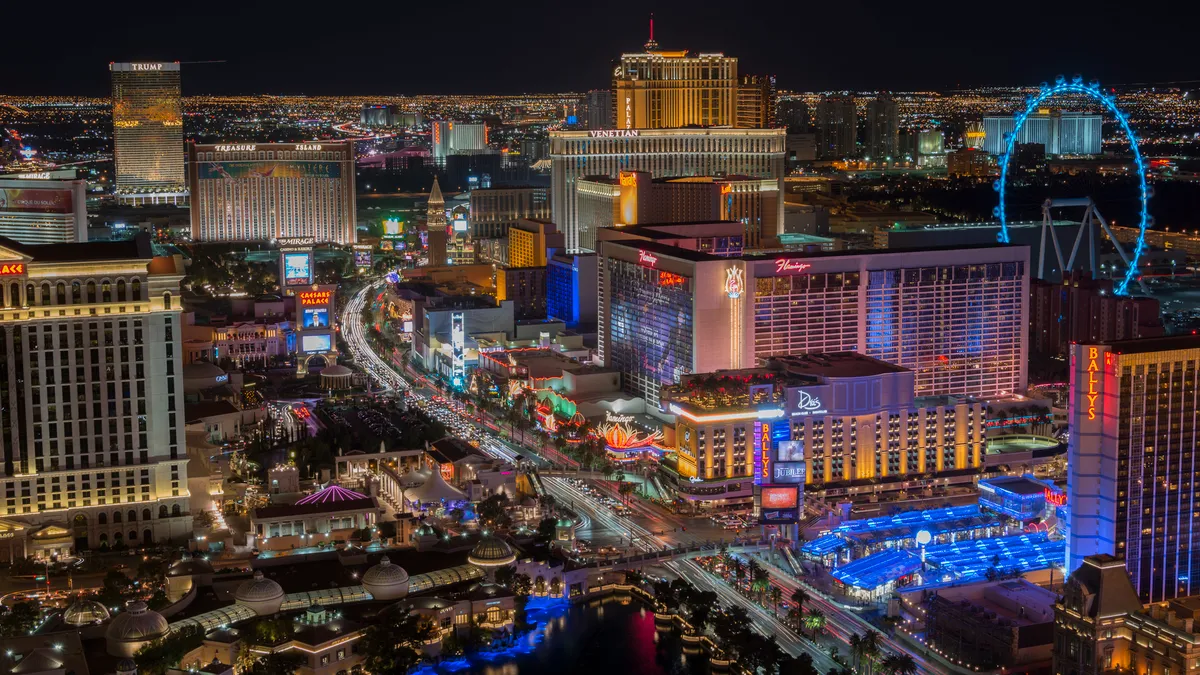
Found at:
<point>491,552</point>
<point>82,612</point>
<point>426,530</point>
<point>189,566</point>
<point>137,623</point>
<point>336,370</point>
<point>199,369</point>
<point>126,664</point>
<point>385,574</point>
<point>258,589</point>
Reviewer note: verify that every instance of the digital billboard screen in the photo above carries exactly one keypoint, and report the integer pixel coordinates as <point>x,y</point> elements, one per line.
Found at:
<point>788,472</point>
<point>297,269</point>
<point>315,343</point>
<point>460,225</point>
<point>315,318</point>
<point>393,228</point>
<point>362,256</point>
<point>36,200</point>
<point>242,170</point>
<point>780,505</point>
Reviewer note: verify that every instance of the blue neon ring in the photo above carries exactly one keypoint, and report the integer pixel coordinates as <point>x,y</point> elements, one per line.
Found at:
<point>1131,273</point>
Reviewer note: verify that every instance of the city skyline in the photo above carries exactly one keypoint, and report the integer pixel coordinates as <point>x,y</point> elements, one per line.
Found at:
<point>880,47</point>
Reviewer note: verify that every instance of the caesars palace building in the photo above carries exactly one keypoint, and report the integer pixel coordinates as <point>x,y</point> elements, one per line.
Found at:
<point>711,151</point>
<point>92,447</point>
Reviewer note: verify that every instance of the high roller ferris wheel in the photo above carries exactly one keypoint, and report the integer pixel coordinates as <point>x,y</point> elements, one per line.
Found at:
<point>1092,216</point>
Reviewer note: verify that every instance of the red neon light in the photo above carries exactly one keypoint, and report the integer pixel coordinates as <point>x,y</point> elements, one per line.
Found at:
<point>789,265</point>
<point>12,269</point>
<point>1055,498</point>
<point>308,298</point>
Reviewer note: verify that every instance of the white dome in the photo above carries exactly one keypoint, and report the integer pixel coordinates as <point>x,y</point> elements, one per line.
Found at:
<point>82,612</point>
<point>260,594</point>
<point>133,628</point>
<point>386,581</point>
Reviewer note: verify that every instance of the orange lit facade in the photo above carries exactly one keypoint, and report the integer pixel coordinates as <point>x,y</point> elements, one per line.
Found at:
<point>669,89</point>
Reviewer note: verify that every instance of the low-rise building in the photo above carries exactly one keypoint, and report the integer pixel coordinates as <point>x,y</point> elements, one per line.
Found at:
<point>1003,624</point>
<point>327,515</point>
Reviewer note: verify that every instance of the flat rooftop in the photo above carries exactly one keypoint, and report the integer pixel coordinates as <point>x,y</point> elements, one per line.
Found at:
<point>1021,485</point>
<point>833,365</point>
<point>1157,344</point>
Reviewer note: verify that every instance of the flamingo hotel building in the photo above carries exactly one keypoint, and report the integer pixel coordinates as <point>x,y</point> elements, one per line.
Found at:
<point>269,191</point>
<point>957,318</point>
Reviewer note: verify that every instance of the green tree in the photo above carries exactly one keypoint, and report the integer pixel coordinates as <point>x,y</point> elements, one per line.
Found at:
<point>19,620</point>
<point>815,621</point>
<point>390,646</point>
<point>898,664</point>
<point>278,663</point>
<point>798,598</point>
<point>521,585</point>
<point>166,652</point>
<point>546,529</point>
<point>775,594</point>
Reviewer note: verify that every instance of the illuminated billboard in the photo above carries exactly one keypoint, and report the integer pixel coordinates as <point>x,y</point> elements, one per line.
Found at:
<point>780,505</point>
<point>315,318</point>
<point>240,170</point>
<point>314,298</point>
<point>460,225</point>
<point>362,256</point>
<point>36,200</point>
<point>458,348</point>
<point>297,269</point>
<point>393,228</point>
<point>316,343</point>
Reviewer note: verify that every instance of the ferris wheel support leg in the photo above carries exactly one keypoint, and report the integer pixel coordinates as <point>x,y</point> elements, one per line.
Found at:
<point>1120,250</point>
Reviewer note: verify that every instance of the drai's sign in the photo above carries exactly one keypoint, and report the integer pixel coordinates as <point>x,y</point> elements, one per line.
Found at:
<point>807,404</point>
<point>236,148</point>
<point>146,66</point>
<point>613,133</point>
<point>308,146</point>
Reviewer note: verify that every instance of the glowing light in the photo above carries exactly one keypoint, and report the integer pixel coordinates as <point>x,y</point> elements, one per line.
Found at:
<point>790,266</point>
<point>735,282</point>
<point>333,493</point>
<point>1034,105</point>
<point>647,258</point>
<point>1092,395</point>
<point>765,414</point>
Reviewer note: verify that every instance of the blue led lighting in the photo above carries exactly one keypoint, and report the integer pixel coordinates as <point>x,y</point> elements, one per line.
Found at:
<point>1076,86</point>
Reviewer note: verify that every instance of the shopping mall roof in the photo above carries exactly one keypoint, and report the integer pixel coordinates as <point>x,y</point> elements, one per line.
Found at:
<point>898,527</point>
<point>833,364</point>
<point>1020,485</point>
<point>876,570</point>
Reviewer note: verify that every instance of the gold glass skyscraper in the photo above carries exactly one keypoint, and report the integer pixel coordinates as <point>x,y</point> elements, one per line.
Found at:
<point>148,133</point>
<point>669,90</point>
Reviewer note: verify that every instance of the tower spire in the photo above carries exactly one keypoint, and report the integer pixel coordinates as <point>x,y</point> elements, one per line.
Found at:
<point>651,45</point>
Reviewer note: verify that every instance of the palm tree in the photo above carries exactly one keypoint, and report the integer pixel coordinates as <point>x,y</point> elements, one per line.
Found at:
<point>815,622</point>
<point>794,617</point>
<point>898,664</point>
<point>855,648</point>
<point>870,646</point>
<point>739,572</point>
<point>799,597</point>
<point>776,594</point>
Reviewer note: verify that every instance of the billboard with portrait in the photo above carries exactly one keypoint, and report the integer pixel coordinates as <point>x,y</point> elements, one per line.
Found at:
<point>362,257</point>
<point>315,317</point>
<point>297,269</point>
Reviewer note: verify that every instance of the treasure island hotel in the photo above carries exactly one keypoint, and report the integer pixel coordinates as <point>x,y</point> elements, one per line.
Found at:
<point>91,403</point>
<point>148,133</point>
<point>1134,416</point>
<point>269,191</point>
<point>674,115</point>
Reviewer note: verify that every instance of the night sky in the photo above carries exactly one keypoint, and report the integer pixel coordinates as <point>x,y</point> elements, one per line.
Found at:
<point>390,47</point>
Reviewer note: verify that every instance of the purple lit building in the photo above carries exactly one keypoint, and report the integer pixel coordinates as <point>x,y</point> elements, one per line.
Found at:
<point>323,517</point>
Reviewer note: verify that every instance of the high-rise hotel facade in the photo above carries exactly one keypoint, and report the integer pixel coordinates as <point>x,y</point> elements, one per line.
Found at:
<point>268,191</point>
<point>1134,418</point>
<point>91,427</point>
<point>956,318</point>
<point>671,153</point>
<point>148,133</point>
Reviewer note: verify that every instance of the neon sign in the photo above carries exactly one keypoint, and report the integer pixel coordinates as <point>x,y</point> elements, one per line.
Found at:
<point>12,269</point>
<point>790,266</point>
<point>308,146</point>
<point>1055,498</point>
<point>613,133</point>
<point>628,179</point>
<point>647,258</point>
<point>146,66</point>
<point>808,402</point>
<point>235,148</point>
<point>764,432</point>
<point>735,282</point>
<point>1093,380</point>
<point>315,297</point>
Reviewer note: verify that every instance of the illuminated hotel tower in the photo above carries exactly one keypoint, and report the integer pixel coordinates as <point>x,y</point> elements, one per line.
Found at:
<point>1134,419</point>
<point>92,445</point>
<point>148,133</point>
<point>658,89</point>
